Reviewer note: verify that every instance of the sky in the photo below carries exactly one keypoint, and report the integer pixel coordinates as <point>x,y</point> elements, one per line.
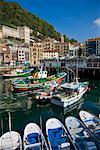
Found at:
<point>78,19</point>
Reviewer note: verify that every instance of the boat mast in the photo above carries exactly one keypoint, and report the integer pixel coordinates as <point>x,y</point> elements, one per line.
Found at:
<point>57,67</point>
<point>2,126</point>
<point>77,71</point>
<point>9,121</point>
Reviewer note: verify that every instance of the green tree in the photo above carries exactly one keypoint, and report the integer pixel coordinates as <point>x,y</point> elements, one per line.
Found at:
<point>72,40</point>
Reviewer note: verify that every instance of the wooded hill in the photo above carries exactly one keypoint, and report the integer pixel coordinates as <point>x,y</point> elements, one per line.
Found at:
<point>12,14</point>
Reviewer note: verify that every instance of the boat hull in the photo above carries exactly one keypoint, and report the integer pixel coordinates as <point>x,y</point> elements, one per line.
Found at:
<point>23,89</point>
<point>64,102</point>
<point>15,76</point>
<point>26,87</point>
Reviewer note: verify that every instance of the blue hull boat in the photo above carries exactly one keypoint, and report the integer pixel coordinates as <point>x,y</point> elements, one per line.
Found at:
<point>57,135</point>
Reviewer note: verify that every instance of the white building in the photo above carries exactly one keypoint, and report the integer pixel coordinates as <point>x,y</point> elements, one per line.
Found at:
<point>24,33</point>
<point>18,32</point>
<point>50,54</point>
<point>73,50</point>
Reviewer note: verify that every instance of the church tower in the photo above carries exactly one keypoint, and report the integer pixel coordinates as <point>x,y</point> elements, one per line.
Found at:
<point>62,39</point>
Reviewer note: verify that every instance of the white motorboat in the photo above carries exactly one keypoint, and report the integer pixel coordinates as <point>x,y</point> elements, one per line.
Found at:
<point>10,140</point>
<point>34,138</point>
<point>79,134</point>
<point>70,93</point>
<point>57,135</point>
<point>92,122</point>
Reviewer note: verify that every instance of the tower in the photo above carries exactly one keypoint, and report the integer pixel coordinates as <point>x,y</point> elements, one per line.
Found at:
<point>62,39</point>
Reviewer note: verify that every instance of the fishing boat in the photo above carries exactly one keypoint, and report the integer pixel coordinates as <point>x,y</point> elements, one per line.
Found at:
<point>69,94</point>
<point>80,134</point>
<point>10,140</point>
<point>92,122</point>
<point>34,138</point>
<point>17,73</point>
<point>57,136</point>
<point>25,85</point>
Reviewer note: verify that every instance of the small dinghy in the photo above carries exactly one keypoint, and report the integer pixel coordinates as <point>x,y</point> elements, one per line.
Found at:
<point>92,122</point>
<point>34,138</point>
<point>58,138</point>
<point>10,140</point>
<point>79,134</point>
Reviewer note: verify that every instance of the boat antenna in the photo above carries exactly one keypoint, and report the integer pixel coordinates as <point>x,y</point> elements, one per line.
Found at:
<point>9,121</point>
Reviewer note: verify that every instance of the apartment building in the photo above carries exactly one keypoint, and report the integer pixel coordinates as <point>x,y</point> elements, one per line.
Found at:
<point>20,53</point>
<point>22,33</point>
<point>93,46</point>
<point>73,50</point>
<point>36,53</point>
<point>62,48</point>
<point>50,54</point>
<point>48,44</point>
<point>5,54</point>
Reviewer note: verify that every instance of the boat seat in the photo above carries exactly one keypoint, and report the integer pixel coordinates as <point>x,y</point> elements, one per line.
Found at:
<point>81,135</point>
<point>32,138</point>
<point>66,144</point>
<point>55,133</point>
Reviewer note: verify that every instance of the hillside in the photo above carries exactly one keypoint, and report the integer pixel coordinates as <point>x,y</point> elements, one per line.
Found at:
<point>12,14</point>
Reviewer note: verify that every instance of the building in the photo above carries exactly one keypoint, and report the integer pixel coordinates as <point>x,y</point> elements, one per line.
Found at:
<point>62,48</point>
<point>73,50</point>
<point>5,54</point>
<point>52,44</point>
<point>36,53</point>
<point>50,54</point>
<point>22,33</point>
<point>93,46</point>
<point>48,44</point>
<point>20,54</point>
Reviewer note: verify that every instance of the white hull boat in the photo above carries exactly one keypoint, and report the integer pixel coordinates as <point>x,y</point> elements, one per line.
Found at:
<point>79,134</point>
<point>17,73</point>
<point>57,135</point>
<point>92,122</point>
<point>10,141</point>
<point>65,100</point>
<point>33,138</point>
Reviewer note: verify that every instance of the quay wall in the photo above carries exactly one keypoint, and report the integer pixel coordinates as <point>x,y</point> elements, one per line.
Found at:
<point>82,73</point>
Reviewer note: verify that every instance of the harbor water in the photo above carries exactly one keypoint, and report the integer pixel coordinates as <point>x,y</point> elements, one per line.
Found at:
<point>24,109</point>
